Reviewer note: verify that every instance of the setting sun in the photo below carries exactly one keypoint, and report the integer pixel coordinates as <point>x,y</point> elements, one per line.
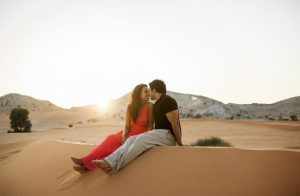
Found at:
<point>102,104</point>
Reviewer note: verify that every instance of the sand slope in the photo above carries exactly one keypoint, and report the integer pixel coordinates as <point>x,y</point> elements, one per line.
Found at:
<point>44,168</point>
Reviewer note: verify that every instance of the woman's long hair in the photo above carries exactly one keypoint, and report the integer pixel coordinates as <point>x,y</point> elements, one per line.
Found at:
<point>135,101</point>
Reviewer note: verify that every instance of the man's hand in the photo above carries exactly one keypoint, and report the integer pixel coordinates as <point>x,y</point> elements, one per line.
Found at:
<point>173,118</point>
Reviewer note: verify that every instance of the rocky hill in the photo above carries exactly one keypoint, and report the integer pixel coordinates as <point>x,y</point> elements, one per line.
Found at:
<point>281,110</point>
<point>45,114</point>
<point>14,100</point>
<point>196,106</point>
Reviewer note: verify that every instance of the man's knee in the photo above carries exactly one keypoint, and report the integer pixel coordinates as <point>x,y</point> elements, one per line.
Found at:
<point>143,141</point>
<point>139,140</point>
<point>130,139</point>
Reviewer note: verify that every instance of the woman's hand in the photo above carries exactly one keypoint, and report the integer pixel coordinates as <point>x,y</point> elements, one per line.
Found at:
<point>123,139</point>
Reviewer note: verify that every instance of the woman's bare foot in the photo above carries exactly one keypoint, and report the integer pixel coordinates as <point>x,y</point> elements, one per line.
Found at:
<point>79,168</point>
<point>77,161</point>
<point>103,165</point>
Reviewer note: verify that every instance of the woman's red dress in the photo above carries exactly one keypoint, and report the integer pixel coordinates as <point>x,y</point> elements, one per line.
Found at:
<point>114,141</point>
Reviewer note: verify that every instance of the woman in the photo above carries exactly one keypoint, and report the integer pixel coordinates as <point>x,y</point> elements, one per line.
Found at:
<point>139,119</point>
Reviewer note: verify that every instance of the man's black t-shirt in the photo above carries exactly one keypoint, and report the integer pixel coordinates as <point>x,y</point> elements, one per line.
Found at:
<point>162,106</point>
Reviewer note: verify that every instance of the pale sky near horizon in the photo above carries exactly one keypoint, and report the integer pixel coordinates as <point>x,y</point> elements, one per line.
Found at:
<point>75,53</point>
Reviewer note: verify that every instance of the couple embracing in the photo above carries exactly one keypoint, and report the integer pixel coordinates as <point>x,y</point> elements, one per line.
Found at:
<point>146,125</point>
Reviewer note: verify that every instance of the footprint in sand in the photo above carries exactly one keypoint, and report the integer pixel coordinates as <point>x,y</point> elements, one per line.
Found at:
<point>8,154</point>
<point>68,179</point>
<point>90,181</point>
<point>96,180</point>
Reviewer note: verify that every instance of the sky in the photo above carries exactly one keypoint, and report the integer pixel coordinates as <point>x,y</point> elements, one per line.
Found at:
<point>80,52</point>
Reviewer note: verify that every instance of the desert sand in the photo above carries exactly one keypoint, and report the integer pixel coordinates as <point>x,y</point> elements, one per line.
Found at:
<point>265,160</point>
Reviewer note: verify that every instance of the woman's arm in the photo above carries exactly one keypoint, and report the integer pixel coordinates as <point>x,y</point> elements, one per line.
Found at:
<point>127,125</point>
<point>151,116</point>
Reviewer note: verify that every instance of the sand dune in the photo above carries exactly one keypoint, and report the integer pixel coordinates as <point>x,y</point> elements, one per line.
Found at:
<point>44,168</point>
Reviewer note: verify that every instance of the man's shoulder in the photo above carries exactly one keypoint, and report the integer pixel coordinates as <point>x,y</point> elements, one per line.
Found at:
<point>168,98</point>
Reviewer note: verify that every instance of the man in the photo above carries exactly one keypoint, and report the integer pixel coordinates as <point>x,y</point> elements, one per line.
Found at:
<point>167,131</point>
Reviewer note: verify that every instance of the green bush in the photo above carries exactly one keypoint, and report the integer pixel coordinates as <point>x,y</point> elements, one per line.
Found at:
<point>294,118</point>
<point>198,116</point>
<point>19,120</point>
<point>212,141</point>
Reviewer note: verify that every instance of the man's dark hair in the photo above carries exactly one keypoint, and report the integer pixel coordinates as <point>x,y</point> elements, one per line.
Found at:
<point>159,86</point>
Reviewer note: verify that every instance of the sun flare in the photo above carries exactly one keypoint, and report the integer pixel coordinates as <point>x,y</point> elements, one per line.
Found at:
<point>102,104</point>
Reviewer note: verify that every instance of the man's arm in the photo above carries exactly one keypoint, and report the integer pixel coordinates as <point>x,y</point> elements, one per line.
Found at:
<point>174,120</point>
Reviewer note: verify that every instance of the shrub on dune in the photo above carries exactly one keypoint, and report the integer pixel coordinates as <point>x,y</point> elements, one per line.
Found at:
<point>212,141</point>
<point>294,117</point>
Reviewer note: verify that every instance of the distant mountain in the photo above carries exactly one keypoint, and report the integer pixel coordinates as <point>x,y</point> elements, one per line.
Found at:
<point>45,114</point>
<point>14,100</point>
<point>196,106</point>
<point>276,111</point>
